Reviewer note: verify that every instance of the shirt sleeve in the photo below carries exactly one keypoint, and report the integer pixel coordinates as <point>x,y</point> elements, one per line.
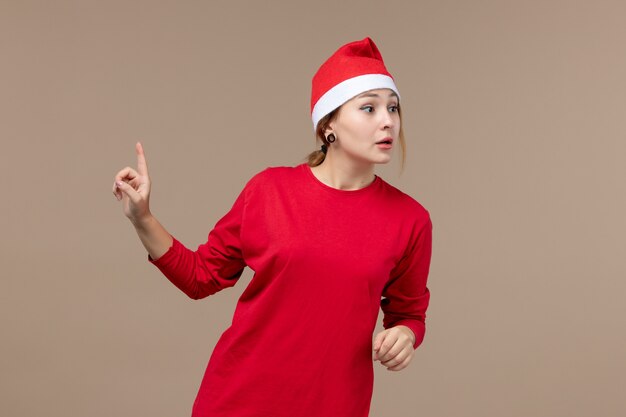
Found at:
<point>406,296</point>
<point>215,265</point>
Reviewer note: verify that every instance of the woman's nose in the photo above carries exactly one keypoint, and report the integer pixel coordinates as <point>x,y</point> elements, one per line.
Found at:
<point>387,121</point>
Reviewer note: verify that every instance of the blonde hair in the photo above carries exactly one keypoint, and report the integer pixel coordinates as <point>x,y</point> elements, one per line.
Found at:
<point>316,157</point>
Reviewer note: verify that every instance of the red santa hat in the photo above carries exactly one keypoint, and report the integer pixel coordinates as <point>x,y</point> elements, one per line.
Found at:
<point>354,68</point>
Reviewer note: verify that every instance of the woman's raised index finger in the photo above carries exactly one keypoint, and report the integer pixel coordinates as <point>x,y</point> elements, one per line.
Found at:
<point>142,165</point>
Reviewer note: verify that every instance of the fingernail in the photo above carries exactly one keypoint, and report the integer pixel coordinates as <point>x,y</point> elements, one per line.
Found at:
<point>118,183</point>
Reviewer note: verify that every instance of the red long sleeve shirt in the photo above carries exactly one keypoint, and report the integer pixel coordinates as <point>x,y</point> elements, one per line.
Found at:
<point>324,261</point>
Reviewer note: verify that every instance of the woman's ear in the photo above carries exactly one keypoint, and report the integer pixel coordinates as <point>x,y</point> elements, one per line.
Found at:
<point>329,129</point>
<point>330,126</point>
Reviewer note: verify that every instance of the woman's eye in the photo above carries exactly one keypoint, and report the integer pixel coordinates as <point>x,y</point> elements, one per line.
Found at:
<point>370,109</point>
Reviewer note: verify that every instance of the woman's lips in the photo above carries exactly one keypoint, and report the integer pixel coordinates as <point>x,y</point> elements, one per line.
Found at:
<point>386,143</point>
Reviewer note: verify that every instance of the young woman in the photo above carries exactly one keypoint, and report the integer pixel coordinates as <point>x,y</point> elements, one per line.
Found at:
<point>329,242</point>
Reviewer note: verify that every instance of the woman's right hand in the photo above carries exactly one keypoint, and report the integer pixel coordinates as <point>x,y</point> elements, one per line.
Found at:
<point>133,189</point>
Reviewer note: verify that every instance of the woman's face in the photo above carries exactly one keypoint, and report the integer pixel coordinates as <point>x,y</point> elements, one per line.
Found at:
<point>363,122</point>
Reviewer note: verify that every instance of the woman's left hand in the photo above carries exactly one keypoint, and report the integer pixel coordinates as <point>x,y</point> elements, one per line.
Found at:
<point>393,347</point>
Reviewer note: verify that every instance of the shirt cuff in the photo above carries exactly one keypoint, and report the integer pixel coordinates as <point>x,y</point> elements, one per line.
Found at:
<point>167,256</point>
<point>417,327</point>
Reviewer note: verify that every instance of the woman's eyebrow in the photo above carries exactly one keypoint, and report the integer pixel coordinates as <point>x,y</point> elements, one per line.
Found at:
<point>392,94</point>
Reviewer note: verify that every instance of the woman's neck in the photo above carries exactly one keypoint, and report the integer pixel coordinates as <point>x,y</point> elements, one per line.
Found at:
<point>344,176</point>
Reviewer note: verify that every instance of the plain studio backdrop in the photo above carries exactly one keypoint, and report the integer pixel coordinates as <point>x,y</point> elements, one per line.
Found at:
<point>514,112</point>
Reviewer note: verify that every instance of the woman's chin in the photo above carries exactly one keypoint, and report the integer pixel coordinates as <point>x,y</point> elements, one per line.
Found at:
<point>383,159</point>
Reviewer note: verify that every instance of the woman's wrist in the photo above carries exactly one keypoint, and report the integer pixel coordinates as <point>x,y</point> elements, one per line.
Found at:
<point>143,223</point>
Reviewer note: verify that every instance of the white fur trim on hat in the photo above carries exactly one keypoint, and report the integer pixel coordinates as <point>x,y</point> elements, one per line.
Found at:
<point>348,89</point>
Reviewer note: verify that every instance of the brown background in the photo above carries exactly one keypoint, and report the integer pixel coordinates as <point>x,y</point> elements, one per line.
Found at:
<point>515,118</point>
